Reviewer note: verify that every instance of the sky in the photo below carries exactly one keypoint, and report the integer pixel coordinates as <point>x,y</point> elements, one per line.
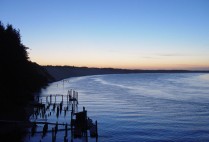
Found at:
<point>132,34</point>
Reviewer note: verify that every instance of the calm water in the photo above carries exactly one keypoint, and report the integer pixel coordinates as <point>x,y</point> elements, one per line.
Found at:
<point>143,107</point>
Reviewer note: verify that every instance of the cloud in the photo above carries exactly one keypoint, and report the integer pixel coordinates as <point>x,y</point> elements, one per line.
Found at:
<point>171,54</point>
<point>161,55</point>
<point>149,57</point>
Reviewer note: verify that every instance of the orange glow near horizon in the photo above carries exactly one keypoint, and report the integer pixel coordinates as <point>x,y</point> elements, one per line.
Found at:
<point>104,59</point>
<point>143,64</point>
<point>130,34</point>
<point>120,54</point>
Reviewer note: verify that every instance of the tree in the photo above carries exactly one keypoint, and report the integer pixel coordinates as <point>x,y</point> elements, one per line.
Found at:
<point>19,77</point>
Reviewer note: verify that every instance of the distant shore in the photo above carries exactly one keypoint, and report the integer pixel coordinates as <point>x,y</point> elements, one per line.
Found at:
<point>62,72</point>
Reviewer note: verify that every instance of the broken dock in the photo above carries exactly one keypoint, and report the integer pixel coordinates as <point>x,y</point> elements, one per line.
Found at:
<point>55,113</point>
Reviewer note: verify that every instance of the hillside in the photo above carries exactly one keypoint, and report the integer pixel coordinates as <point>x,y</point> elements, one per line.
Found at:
<point>62,72</point>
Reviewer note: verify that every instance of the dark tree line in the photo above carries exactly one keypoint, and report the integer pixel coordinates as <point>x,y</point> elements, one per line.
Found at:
<point>19,77</point>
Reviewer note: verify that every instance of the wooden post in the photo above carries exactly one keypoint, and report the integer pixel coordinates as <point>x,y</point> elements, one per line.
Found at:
<point>50,99</point>
<point>52,134</point>
<point>72,109</point>
<point>65,139</point>
<point>60,107</point>
<point>58,111</point>
<point>71,125</point>
<point>56,128</point>
<point>33,130</point>
<point>45,129</point>
<point>54,105</point>
<point>96,130</point>
<point>73,95</point>
<point>66,129</point>
<point>77,97</point>
<point>65,109</point>
<point>86,127</point>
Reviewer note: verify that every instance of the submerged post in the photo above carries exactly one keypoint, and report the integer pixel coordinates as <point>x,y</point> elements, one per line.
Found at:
<point>96,130</point>
<point>56,128</point>
<point>71,125</point>
<point>65,139</point>
<point>53,135</point>
<point>66,129</point>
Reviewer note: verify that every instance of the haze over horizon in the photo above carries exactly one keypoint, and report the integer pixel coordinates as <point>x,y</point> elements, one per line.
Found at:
<point>132,34</point>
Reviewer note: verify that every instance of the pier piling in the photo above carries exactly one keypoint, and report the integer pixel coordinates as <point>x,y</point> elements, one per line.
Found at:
<point>53,105</point>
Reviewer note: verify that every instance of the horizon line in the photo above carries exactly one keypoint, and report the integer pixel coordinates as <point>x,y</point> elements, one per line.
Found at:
<point>204,70</point>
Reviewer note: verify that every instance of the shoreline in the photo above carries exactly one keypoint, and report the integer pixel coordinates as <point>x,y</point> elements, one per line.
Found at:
<point>63,72</point>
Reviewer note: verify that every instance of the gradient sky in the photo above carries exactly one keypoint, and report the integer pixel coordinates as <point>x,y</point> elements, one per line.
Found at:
<point>136,34</point>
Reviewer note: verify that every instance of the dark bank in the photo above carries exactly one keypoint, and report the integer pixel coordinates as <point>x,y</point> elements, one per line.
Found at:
<point>20,79</point>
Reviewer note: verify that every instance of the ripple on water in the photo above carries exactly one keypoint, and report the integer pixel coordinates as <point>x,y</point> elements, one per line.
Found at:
<point>145,107</point>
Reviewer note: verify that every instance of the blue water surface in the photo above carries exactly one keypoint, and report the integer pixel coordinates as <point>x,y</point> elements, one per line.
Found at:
<point>146,107</point>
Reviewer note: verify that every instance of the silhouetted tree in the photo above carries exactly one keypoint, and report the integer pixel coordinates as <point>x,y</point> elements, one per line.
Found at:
<point>19,77</point>
<point>18,74</point>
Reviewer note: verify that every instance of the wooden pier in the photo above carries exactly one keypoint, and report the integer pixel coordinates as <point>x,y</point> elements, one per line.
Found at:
<point>67,106</point>
<point>52,98</point>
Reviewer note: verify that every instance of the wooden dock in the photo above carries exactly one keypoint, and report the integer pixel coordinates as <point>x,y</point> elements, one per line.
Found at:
<point>67,106</point>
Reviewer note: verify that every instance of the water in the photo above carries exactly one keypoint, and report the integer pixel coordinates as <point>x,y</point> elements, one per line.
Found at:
<point>143,107</point>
